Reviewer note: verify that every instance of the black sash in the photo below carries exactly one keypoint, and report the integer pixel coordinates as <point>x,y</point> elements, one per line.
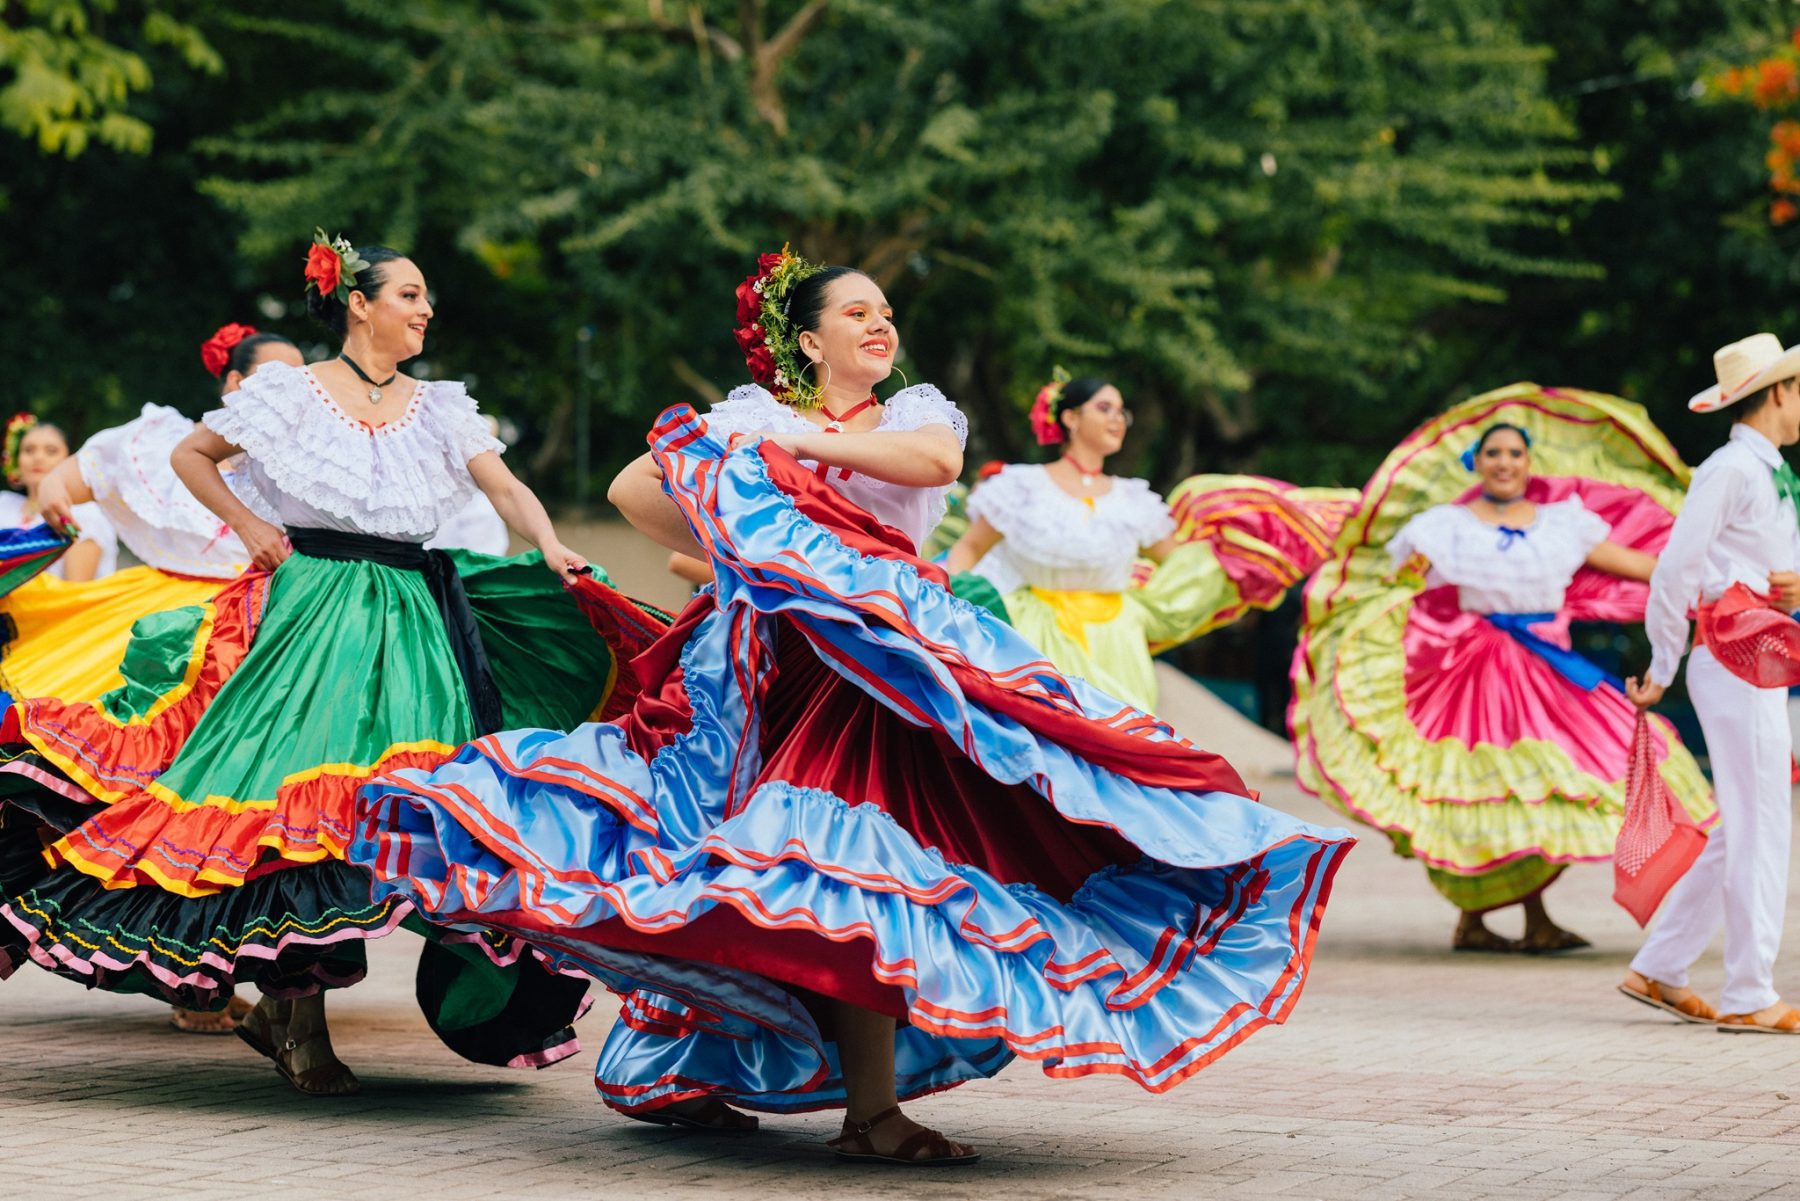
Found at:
<point>446,587</point>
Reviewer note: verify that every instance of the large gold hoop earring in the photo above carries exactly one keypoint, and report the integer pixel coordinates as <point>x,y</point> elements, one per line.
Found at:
<point>904,382</point>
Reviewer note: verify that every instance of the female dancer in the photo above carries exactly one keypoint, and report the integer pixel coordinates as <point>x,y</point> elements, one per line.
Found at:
<point>1062,542</point>
<point>33,450</point>
<point>186,551</point>
<point>69,638</point>
<point>1436,697</point>
<point>197,817</point>
<point>856,841</point>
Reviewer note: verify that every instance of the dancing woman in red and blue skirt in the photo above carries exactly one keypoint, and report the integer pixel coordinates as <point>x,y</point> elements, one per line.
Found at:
<point>856,841</point>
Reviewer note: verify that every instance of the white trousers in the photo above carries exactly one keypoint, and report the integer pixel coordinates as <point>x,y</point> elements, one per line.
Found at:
<point>1740,879</point>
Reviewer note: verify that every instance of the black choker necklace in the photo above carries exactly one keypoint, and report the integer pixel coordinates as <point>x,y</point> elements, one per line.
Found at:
<point>375,388</point>
<point>1498,502</point>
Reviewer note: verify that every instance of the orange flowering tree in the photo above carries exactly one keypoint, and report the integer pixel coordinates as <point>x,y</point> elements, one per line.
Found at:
<point>1772,85</point>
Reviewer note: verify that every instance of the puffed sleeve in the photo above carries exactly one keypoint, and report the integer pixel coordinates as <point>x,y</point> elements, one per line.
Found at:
<point>922,405</point>
<point>1584,528</point>
<point>266,414</point>
<point>1427,534</point>
<point>465,428</point>
<point>1151,520</point>
<point>749,409</point>
<point>1001,500</point>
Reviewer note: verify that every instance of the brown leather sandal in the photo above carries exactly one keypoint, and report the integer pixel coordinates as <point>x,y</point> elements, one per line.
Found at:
<point>922,1149</point>
<point>1746,1023</point>
<point>1688,1009</point>
<point>713,1117</point>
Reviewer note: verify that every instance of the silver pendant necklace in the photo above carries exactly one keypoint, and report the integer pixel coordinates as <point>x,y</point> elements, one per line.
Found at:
<point>374,388</point>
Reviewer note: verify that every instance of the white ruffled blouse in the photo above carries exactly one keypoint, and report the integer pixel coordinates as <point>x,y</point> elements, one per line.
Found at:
<point>1496,571</point>
<point>1052,540</point>
<point>750,409</point>
<point>90,518</point>
<point>315,465</point>
<point>157,518</point>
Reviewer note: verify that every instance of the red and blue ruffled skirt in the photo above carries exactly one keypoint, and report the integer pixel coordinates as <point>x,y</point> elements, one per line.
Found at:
<point>840,782</point>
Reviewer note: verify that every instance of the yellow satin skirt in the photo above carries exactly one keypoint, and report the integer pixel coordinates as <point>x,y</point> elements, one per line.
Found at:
<point>66,640</point>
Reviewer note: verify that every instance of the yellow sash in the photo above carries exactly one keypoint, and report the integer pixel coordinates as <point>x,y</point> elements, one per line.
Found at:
<point>1075,611</point>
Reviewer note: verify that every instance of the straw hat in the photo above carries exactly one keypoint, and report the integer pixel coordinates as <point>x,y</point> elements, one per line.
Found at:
<point>1745,368</point>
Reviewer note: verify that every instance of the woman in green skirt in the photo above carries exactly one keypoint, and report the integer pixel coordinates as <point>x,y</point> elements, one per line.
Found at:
<point>186,831</point>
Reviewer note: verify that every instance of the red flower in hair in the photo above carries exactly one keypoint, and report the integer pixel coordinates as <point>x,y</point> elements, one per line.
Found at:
<point>762,365</point>
<point>1044,424</point>
<point>215,352</point>
<point>749,301</point>
<point>324,269</point>
<point>766,263</point>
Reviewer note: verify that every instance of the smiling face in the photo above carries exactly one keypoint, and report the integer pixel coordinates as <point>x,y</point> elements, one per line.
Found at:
<point>1504,464</point>
<point>1096,430</point>
<point>393,324</point>
<point>39,452</point>
<point>855,342</point>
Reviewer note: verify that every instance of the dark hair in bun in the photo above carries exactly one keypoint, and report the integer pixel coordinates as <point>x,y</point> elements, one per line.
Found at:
<point>243,355</point>
<point>1078,392</point>
<point>330,312</point>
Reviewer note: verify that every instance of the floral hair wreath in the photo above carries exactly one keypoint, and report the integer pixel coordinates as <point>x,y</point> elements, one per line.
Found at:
<point>17,426</point>
<point>215,352</point>
<point>765,331</point>
<point>1044,424</point>
<point>332,265</point>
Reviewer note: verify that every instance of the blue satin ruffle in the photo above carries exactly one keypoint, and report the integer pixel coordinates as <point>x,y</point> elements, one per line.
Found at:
<point>1149,971</point>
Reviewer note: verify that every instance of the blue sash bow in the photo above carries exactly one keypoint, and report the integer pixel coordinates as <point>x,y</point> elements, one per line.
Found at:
<point>1571,666</point>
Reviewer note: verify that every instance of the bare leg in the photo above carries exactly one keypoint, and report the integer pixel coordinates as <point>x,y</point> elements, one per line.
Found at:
<point>865,1041</point>
<point>1543,935</point>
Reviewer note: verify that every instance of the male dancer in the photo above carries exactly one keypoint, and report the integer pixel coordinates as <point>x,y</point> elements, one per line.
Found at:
<point>1737,526</point>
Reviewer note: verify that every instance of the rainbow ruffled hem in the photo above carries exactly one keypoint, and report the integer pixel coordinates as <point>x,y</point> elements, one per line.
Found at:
<point>184,833</point>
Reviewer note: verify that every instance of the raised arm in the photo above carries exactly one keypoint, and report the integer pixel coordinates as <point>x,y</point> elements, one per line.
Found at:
<point>196,460</point>
<point>637,493</point>
<point>928,457</point>
<point>522,511</point>
<point>1618,560</point>
<point>61,491</point>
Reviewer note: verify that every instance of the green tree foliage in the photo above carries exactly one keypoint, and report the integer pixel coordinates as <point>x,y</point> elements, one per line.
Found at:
<point>1690,261</point>
<point>69,68</point>
<point>1245,211</point>
<point>1288,228</point>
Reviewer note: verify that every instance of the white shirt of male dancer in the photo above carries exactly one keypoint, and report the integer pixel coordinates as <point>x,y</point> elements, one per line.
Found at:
<point>1734,527</point>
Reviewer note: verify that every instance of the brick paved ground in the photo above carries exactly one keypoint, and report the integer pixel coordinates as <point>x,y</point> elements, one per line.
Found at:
<point>1406,1072</point>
